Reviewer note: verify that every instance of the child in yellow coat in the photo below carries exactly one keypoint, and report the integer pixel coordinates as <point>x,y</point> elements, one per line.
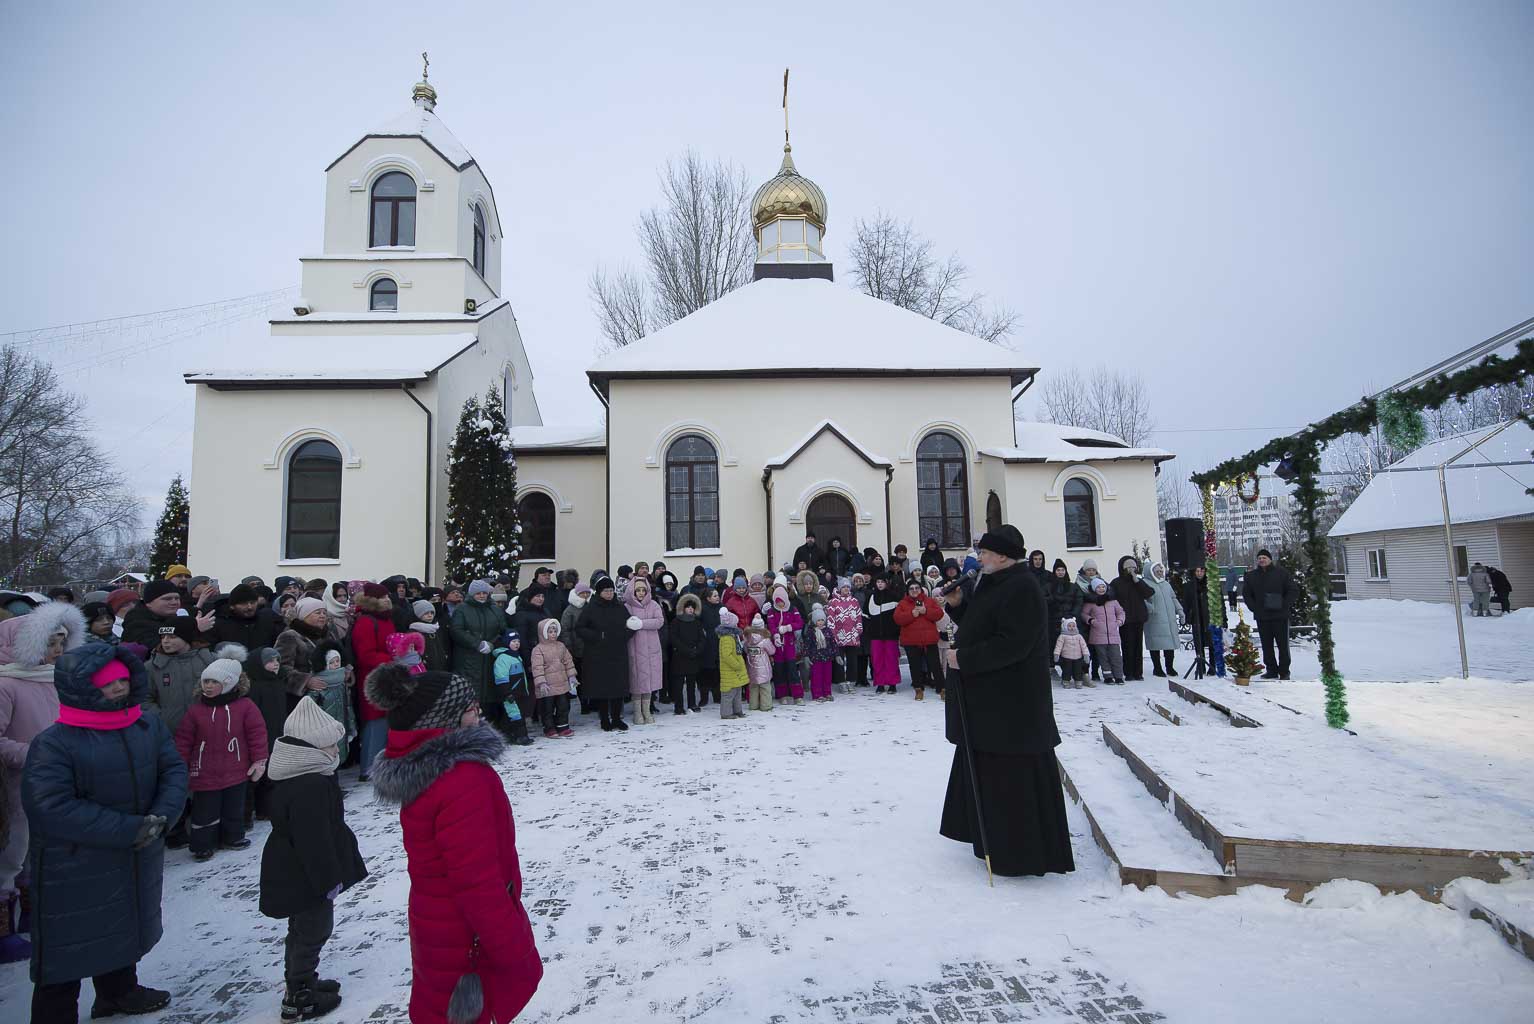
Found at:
<point>732,666</point>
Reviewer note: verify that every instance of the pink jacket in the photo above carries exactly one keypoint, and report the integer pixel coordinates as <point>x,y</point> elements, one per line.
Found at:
<point>787,642</point>
<point>759,651</point>
<point>401,645</point>
<point>219,742</point>
<point>1071,645</point>
<point>644,645</point>
<point>1103,621</point>
<point>552,668</point>
<point>846,621</point>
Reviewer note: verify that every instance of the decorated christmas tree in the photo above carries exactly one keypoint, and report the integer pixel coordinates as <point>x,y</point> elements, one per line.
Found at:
<point>484,539</point>
<point>1242,659</point>
<point>170,532</point>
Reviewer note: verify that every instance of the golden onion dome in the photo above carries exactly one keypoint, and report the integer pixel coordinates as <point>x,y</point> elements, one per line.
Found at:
<point>789,193</point>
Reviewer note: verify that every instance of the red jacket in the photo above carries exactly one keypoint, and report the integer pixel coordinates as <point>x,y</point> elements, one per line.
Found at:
<point>219,742</point>
<point>465,908</point>
<point>370,636</point>
<point>918,630</point>
<point>743,605</point>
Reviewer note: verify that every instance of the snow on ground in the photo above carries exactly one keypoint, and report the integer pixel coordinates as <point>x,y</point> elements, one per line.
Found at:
<point>787,868</point>
<point>1402,640</point>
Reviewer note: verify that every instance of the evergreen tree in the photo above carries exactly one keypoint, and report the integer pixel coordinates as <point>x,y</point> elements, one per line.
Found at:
<point>170,532</point>
<point>1297,566</point>
<point>1242,659</point>
<point>484,538</point>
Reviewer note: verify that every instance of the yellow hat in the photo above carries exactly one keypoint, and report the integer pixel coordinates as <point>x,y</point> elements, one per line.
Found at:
<point>177,570</point>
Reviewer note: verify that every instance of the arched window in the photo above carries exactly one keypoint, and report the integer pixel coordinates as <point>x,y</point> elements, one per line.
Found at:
<point>535,511</point>
<point>384,295</point>
<point>314,502</point>
<point>479,240</point>
<point>393,221</point>
<point>942,491</point>
<point>692,494</point>
<point>1080,514</point>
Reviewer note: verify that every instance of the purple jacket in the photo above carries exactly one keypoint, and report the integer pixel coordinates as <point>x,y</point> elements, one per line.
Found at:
<point>220,741</point>
<point>1103,621</point>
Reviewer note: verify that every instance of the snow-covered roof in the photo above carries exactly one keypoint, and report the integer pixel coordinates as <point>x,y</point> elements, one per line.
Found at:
<point>418,122</point>
<point>337,358</point>
<point>1054,442</point>
<point>558,435</point>
<point>825,426</point>
<point>806,327</point>
<point>1407,500</point>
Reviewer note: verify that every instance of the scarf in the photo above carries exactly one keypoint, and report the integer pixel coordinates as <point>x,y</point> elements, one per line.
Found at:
<point>32,673</point>
<point>425,627</point>
<point>290,759</point>
<point>83,719</point>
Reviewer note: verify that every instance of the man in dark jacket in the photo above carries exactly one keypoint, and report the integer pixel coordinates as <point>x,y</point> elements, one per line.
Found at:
<point>240,620</point>
<point>1131,591</point>
<point>1036,566</point>
<point>1270,593</point>
<point>553,597</point>
<point>154,615</point>
<point>808,554</point>
<point>1003,716</point>
<point>1501,588</point>
<point>1064,599</point>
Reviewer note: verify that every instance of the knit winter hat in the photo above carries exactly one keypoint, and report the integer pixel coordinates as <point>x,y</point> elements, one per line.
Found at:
<point>306,606</point>
<point>225,672</point>
<point>1264,551</point>
<point>423,608</point>
<point>431,700</point>
<point>117,599</point>
<point>817,614</point>
<point>602,582</point>
<point>197,581</point>
<point>156,589</point>
<point>479,587</point>
<point>728,619</point>
<point>109,673</point>
<point>174,571</point>
<point>375,590</point>
<point>582,589</point>
<point>267,654</point>
<point>1068,624</point>
<point>1090,563</point>
<point>313,725</point>
<point>243,593</point>
<point>758,622</point>
<point>1099,585</point>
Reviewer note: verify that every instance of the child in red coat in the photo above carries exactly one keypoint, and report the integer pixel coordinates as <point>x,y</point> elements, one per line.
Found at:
<point>222,739</point>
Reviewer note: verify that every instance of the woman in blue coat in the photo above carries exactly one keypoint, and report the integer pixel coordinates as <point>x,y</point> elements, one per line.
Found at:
<point>99,788</point>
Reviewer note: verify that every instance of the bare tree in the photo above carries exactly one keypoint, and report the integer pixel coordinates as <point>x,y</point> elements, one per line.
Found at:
<point>697,245</point>
<point>59,499</point>
<point>1108,400</point>
<point>890,261</point>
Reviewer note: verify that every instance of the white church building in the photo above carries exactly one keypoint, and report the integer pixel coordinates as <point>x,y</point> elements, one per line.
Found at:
<point>792,404</point>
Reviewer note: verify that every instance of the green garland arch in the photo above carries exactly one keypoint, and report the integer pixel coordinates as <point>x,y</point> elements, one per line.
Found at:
<point>1303,450</point>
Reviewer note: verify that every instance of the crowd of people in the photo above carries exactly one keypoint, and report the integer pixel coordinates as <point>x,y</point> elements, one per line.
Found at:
<point>190,713</point>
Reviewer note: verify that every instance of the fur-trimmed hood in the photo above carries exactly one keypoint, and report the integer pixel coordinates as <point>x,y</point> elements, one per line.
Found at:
<point>380,606</point>
<point>806,582</point>
<point>399,780</point>
<point>24,639</point>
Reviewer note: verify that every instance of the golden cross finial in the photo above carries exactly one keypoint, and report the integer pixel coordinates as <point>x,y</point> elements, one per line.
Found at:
<point>425,65</point>
<point>785,110</point>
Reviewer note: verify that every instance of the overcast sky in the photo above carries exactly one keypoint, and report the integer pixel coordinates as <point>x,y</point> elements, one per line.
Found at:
<point>1266,209</point>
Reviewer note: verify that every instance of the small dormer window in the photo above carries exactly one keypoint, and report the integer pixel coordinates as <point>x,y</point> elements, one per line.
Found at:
<point>479,240</point>
<point>383,297</point>
<point>393,221</point>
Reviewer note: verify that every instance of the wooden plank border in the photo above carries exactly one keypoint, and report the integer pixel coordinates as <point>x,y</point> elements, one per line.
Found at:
<point>1237,719</point>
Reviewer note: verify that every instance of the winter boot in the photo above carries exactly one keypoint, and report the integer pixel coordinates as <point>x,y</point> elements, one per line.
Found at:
<point>13,947</point>
<point>550,733</point>
<point>566,732</point>
<point>309,1003</point>
<point>619,725</point>
<point>921,694</point>
<point>138,999</point>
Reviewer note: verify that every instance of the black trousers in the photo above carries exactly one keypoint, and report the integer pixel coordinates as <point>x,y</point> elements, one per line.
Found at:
<point>684,691</point>
<point>308,931</point>
<point>611,709</point>
<point>1170,669</point>
<point>59,1003</point>
<point>218,817</point>
<point>1275,634</point>
<point>554,712</point>
<point>926,669</point>
<point>258,800</point>
<point>1132,641</point>
<point>852,667</point>
<point>708,685</point>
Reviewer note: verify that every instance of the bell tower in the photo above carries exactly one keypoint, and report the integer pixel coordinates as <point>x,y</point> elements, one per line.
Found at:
<point>788,215</point>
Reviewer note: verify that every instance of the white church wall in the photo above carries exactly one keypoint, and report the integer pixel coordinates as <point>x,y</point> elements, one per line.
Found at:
<point>578,485</point>
<point>348,195</point>
<point>1125,493</point>
<point>752,420</point>
<point>424,285</point>
<point>826,466</point>
<point>474,187</point>
<point>239,474</point>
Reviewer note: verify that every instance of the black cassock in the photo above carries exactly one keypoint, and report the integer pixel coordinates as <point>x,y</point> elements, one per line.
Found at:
<point>1005,685</point>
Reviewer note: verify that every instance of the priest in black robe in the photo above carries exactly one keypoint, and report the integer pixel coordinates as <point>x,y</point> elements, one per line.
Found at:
<point>1001,654</point>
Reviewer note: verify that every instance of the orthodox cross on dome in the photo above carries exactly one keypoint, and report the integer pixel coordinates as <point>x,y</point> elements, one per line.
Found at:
<point>424,94</point>
<point>786,147</point>
<point>788,212</point>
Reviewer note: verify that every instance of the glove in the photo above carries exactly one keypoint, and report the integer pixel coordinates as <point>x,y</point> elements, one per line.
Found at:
<point>785,628</point>
<point>634,622</point>
<point>149,830</point>
<point>572,685</point>
<point>484,647</point>
<point>333,893</point>
<point>256,771</point>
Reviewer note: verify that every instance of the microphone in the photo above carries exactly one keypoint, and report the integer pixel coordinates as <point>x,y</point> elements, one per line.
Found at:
<point>948,587</point>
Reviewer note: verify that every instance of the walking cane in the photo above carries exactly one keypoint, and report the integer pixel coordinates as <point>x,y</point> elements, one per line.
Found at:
<point>974,778</point>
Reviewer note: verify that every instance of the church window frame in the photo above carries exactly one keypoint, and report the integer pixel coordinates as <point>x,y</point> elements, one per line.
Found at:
<point>383,296</point>
<point>942,489</point>
<point>691,493</point>
<point>392,211</point>
<point>480,239</point>
<point>1079,512</point>
<point>311,522</point>
<point>538,515</point>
